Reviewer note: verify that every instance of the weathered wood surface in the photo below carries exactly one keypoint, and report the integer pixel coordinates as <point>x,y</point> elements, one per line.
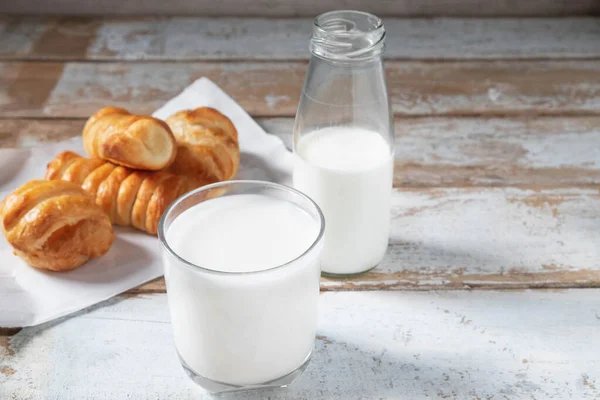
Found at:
<point>25,133</point>
<point>195,39</point>
<point>541,152</point>
<point>547,151</point>
<point>463,237</point>
<point>483,238</point>
<point>291,8</point>
<point>528,124</point>
<point>56,89</point>
<point>388,345</point>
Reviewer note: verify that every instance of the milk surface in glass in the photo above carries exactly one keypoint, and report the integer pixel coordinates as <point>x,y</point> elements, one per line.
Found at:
<point>240,328</point>
<point>348,171</point>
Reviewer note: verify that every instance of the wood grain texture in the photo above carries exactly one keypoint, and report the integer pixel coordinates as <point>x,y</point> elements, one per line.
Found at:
<point>54,89</point>
<point>24,133</point>
<point>196,39</point>
<point>541,152</point>
<point>469,237</point>
<point>546,151</point>
<point>309,8</point>
<point>535,135</point>
<point>384,345</point>
<point>486,238</point>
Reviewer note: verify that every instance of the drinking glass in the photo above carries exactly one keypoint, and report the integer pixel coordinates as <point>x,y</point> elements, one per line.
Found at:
<point>243,330</point>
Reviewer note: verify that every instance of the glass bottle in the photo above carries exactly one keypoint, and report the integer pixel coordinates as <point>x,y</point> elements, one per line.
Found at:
<point>344,140</point>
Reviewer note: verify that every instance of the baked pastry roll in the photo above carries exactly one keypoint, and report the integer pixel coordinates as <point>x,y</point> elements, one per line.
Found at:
<point>55,225</point>
<point>207,144</point>
<point>136,141</point>
<point>129,197</point>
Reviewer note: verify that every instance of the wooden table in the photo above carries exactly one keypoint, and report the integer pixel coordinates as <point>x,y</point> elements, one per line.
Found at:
<point>489,289</point>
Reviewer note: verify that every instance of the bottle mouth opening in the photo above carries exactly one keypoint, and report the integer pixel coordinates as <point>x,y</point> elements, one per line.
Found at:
<point>347,35</point>
<point>348,22</point>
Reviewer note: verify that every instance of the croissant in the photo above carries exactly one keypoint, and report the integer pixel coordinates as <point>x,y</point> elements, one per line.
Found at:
<point>55,225</point>
<point>207,144</point>
<point>129,197</point>
<point>134,141</point>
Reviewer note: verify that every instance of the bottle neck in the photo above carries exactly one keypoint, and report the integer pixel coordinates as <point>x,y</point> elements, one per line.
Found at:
<point>348,36</point>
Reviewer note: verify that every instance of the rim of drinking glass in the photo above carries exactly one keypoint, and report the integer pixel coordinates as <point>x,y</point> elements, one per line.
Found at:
<point>328,13</point>
<point>162,222</point>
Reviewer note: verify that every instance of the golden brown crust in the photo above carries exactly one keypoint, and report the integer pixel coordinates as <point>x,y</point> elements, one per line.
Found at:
<point>135,141</point>
<point>149,185</point>
<point>165,193</point>
<point>129,197</point>
<point>92,182</point>
<point>55,225</point>
<point>108,191</point>
<point>79,169</point>
<point>207,144</point>
<point>56,168</point>
<point>15,207</point>
<point>126,196</point>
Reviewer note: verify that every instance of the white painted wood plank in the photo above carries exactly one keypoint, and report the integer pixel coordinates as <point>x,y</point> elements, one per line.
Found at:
<point>190,39</point>
<point>290,8</point>
<point>498,88</point>
<point>387,345</point>
<point>198,39</point>
<point>535,235</point>
<point>528,142</point>
<point>19,35</point>
<point>546,151</point>
<point>488,151</point>
<point>475,237</point>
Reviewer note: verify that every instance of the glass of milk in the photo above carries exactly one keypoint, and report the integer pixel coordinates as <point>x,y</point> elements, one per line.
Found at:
<point>242,271</point>
<point>344,140</point>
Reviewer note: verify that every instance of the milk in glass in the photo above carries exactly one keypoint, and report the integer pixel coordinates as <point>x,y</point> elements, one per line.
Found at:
<point>242,274</point>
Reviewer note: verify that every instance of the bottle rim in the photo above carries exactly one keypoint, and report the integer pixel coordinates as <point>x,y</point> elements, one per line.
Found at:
<point>319,19</point>
<point>336,36</point>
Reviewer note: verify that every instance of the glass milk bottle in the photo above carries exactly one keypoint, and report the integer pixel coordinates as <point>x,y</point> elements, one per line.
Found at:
<point>344,140</point>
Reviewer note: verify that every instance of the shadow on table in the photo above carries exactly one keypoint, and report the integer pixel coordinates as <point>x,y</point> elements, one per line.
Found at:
<point>341,370</point>
<point>453,344</point>
<point>337,370</point>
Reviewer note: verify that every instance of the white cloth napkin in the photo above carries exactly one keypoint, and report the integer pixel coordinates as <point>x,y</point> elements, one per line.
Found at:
<point>29,296</point>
